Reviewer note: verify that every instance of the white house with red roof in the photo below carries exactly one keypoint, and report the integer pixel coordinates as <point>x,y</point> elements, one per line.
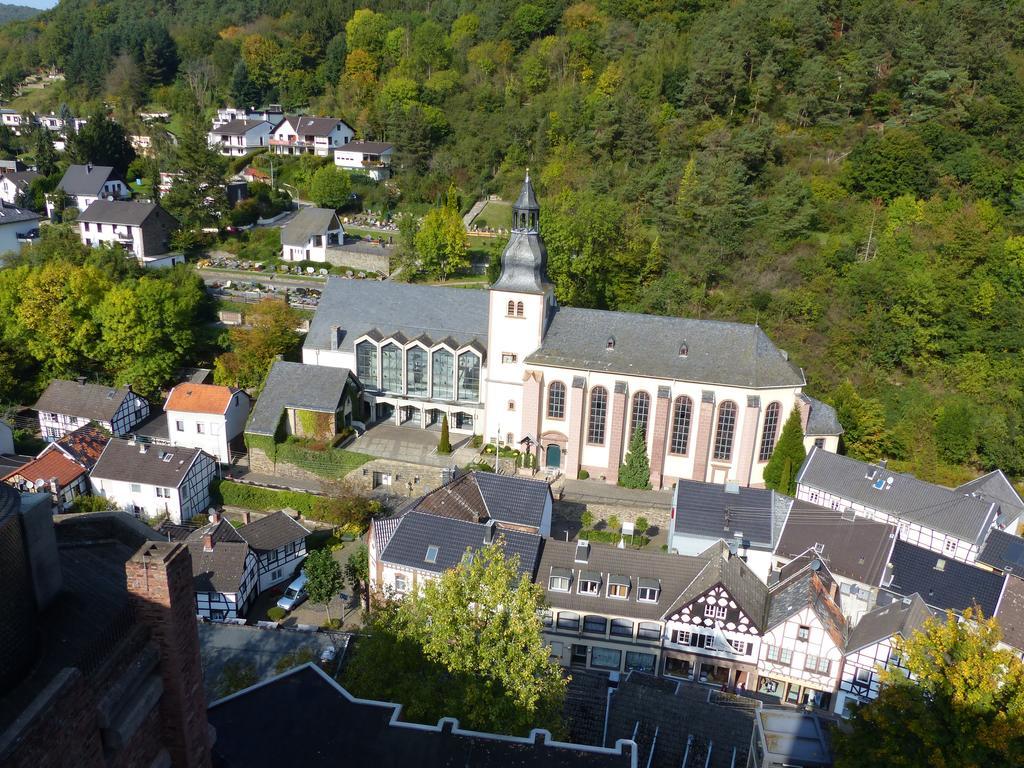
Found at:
<point>206,416</point>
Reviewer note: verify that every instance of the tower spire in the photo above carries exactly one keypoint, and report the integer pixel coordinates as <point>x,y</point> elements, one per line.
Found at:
<point>526,210</point>
<point>524,261</point>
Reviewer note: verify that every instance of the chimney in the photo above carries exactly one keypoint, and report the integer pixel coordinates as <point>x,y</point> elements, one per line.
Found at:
<point>214,516</point>
<point>88,167</point>
<point>489,527</point>
<point>143,448</point>
<point>207,542</point>
<point>246,517</point>
<point>335,332</point>
<point>159,579</point>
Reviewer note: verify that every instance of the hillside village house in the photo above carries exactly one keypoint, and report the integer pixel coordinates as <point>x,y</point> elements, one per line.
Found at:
<point>232,567</point>
<point>710,397</point>
<point>942,582</point>
<point>270,114</point>
<point>11,118</point>
<point>143,230</point>
<point>952,523</point>
<point>149,481</point>
<point>872,649</point>
<point>62,467</point>
<point>67,405</point>
<point>240,137</point>
<point>85,184</point>
<point>309,235</point>
<point>299,135</point>
<point>17,226</point>
<point>14,187</point>
<point>749,519</point>
<point>206,416</point>
<point>370,157</point>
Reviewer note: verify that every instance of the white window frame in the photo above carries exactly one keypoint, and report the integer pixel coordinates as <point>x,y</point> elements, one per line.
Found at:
<point>644,594</point>
<point>714,611</point>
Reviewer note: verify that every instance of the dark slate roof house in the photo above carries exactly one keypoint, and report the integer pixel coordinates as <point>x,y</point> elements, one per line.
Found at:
<point>272,532</point>
<point>706,512</point>
<point>481,496</point>
<point>220,567</point>
<point>853,547</point>
<point>1010,613</point>
<point>327,721</point>
<point>944,583</point>
<point>294,385</point>
<point>722,568</point>
<point>932,506</point>
<point>1004,551</point>
<point>88,401</point>
<point>902,617</point>
<point>822,418</point>
<point>307,223</point>
<point>433,544</point>
<point>127,462</point>
<point>813,586</point>
<point>996,487</point>
<point>87,180</point>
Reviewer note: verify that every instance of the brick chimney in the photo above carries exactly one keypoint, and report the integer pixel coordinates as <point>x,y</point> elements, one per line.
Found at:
<point>160,584</point>
<point>207,542</point>
<point>246,517</point>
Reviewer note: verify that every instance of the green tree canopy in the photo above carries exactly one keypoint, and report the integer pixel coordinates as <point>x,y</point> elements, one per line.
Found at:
<point>787,457</point>
<point>441,242</point>
<point>330,188</point>
<point>324,580</point>
<point>636,472</point>
<point>101,141</point>
<point>962,706</point>
<point>271,333</point>
<point>469,645</point>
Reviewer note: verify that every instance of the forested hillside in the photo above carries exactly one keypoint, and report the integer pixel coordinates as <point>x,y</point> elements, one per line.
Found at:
<point>849,173</point>
<point>16,12</point>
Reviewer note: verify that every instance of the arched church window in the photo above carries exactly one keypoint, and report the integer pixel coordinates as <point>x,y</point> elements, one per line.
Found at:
<point>520,310</point>
<point>511,311</point>
<point>725,431</point>
<point>681,416</point>
<point>770,431</point>
<point>556,400</point>
<point>598,415</point>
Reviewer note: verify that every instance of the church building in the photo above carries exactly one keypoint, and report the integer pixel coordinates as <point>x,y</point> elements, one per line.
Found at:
<point>509,364</point>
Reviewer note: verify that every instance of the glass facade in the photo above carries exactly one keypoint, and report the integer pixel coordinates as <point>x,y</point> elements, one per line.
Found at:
<point>391,368</point>
<point>416,371</point>
<point>642,662</point>
<point>605,658</point>
<point>366,364</point>
<point>441,377</point>
<point>469,377</point>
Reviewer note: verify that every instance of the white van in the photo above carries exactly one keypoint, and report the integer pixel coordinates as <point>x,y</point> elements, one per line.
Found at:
<point>294,595</point>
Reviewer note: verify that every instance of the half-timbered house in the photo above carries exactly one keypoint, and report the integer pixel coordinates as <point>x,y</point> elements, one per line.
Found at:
<point>67,405</point>
<point>279,543</point>
<point>225,571</point>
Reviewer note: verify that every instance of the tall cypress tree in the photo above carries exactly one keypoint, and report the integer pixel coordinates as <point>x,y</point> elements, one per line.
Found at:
<point>789,454</point>
<point>444,445</point>
<point>636,472</point>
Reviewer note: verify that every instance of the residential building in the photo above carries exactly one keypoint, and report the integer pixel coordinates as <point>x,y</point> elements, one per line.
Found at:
<point>17,226</point>
<point>996,487</point>
<point>240,137</point>
<point>101,655</point>
<point>331,721</point>
<point>943,583</point>
<point>714,627</point>
<point>749,519</point>
<point>14,187</point>
<point>301,135</point>
<point>151,482</point>
<point>279,543</point>
<point>6,438</point>
<point>949,522</point>
<point>607,606</point>
<point>1003,551</point>
<point>804,639</point>
<point>710,397</point>
<point>52,473</point>
<point>872,650</point>
<point>85,184</point>
<point>270,114</point>
<point>224,571</point>
<point>13,119</point>
<point>67,405</point>
<point>206,416</point>
<point>303,400</point>
<point>309,235</point>
<point>857,551</point>
<point>370,157</point>
<point>143,230</point>
<point>787,738</point>
<point>1010,614</point>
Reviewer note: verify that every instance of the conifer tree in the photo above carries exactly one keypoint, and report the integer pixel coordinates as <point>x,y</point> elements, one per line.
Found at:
<point>636,472</point>
<point>789,454</point>
<point>444,445</point>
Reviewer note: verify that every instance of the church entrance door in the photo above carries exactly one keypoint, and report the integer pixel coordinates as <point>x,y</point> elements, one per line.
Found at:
<point>553,456</point>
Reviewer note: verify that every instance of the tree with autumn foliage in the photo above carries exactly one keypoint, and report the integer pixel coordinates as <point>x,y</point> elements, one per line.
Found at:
<point>271,332</point>
<point>961,707</point>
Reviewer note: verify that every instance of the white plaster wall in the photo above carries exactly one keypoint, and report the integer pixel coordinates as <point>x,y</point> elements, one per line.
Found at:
<point>819,643</point>
<point>213,439</point>
<point>145,498</point>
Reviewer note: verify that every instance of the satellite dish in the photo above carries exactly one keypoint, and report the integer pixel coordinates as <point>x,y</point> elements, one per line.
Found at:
<point>40,484</point>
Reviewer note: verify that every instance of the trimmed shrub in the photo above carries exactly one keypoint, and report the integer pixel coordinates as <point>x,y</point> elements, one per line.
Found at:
<point>276,613</point>
<point>583,475</point>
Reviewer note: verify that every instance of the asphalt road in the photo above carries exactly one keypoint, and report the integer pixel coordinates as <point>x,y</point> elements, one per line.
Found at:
<point>267,278</point>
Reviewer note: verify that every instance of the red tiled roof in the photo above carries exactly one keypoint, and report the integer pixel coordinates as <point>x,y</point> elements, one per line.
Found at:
<point>199,398</point>
<point>51,464</point>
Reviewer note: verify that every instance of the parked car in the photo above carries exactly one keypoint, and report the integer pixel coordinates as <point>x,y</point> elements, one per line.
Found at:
<point>294,595</point>
<point>327,655</point>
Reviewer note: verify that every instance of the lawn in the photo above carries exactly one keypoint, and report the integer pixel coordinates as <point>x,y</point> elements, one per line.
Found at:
<point>495,215</point>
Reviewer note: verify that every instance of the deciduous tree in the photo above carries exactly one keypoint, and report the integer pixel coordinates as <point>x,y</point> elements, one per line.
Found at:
<point>324,581</point>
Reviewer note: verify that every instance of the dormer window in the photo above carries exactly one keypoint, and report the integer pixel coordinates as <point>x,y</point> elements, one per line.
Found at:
<point>611,343</point>
<point>589,583</point>
<point>431,556</point>
<point>618,587</point>
<point>560,580</point>
<point>582,551</point>
<point>648,590</point>
<point>683,350</point>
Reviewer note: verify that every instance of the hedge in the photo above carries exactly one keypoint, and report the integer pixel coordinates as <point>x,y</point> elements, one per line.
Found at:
<point>232,494</point>
<point>335,462</point>
<point>612,537</point>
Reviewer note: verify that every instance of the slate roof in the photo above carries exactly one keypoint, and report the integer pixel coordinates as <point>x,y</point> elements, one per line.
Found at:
<point>996,487</point>
<point>732,354</point>
<point>857,548</point>
<point>481,496</point>
<point>314,126</point>
<point>272,531</point>
<point>124,461</point>
<point>1011,613</point>
<point>49,465</point>
<point>88,401</point>
<point>129,213</point>
<point>673,572</point>
<point>240,127</point>
<point>713,511</point>
<point>956,587</point>
<point>295,385</point>
<point>84,445</point>
<point>219,570</point>
<point>742,584</point>
<point>22,179</point>
<point>199,398</point>
<point>12,215</point>
<point>308,222</point>
<point>1004,551</point>
<point>417,531</point>
<point>527,200</point>
<point>367,147</point>
<point>903,617</point>
<point>360,306</point>
<point>222,531</point>
<point>809,587</point>
<point>332,722</point>
<point>86,179</point>
<point>384,528</point>
<point>822,419</point>
<point>908,498</point>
